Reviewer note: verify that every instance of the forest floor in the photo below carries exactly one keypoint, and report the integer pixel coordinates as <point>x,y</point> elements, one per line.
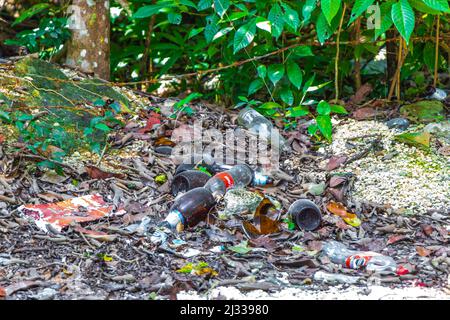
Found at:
<point>399,191</point>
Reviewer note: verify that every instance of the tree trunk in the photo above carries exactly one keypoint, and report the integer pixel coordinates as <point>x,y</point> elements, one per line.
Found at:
<point>89,48</point>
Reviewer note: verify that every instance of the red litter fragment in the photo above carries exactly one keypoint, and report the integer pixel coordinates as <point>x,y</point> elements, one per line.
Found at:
<point>153,119</point>
<point>401,271</point>
<point>61,214</point>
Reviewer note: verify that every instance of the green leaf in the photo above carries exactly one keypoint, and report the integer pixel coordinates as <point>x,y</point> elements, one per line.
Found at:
<point>386,19</point>
<point>242,248</point>
<point>302,51</point>
<point>419,140</point>
<point>174,17</point>
<point>148,11</point>
<point>287,96</point>
<point>308,83</point>
<point>195,32</point>
<point>102,127</point>
<point>324,31</point>
<point>422,7</point>
<point>204,4</point>
<point>221,6</point>
<point>255,85</point>
<point>264,24</point>
<point>358,8</point>
<point>270,105</point>
<point>318,87</point>
<point>440,5</point>
<point>338,109</point>
<point>429,55</point>
<point>291,17</point>
<point>323,108</point>
<point>312,129</point>
<point>276,18</point>
<point>30,12</point>
<point>299,111</point>
<point>307,10</point>
<point>294,74</point>
<point>275,72</point>
<point>325,126</point>
<point>222,32</point>
<point>330,8</point>
<point>211,28</point>
<point>262,71</point>
<point>403,17</point>
<point>244,36</point>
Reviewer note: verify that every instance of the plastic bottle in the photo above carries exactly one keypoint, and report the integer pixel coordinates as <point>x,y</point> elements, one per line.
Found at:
<point>239,176</point>
<point>257,123</point>
<point>306,214</point>
<point>335,278</point>
<point>373,261</point>
<point>190,208</point>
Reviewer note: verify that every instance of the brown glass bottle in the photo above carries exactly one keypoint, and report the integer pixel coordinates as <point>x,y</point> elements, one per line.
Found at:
<point>190,208</point>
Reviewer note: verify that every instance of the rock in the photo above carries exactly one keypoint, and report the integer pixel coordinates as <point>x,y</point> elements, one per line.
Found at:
<point>398,123</point>
<point>439,130</point>
<point>424,111</point>
<point>419,140</point>
<point>239,200</point>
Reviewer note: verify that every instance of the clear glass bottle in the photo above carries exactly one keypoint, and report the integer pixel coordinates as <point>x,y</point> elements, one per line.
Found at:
<point>372,261</point>
<point>257,123</point>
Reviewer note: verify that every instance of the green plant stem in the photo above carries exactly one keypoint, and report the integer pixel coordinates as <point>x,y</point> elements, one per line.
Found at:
<point>336,62</point>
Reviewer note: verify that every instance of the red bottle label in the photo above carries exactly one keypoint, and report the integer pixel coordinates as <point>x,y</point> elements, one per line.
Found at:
<point>357,261</point>
<point>226,178</point>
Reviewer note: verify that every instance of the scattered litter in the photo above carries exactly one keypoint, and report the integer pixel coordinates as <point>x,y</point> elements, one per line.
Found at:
<point>61,214</point>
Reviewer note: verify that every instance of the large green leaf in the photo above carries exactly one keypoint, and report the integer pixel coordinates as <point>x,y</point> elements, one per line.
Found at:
<point>440,5</point>
<point>330,8</point>
<point>294,74</point>
<point>276,18</point>
<point>403,17</point>
<point>244,36</point>
<point>325,126</point>
<point>275,72</point>
<point>358,8</point>
<point>422,7</point>
<point>221,6</point>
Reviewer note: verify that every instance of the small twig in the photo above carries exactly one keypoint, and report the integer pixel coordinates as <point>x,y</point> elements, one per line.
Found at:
<point>363,153</point>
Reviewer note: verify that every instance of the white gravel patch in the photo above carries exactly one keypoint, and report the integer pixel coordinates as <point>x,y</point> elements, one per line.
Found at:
<point>333,293</point>
<point>411,182</point>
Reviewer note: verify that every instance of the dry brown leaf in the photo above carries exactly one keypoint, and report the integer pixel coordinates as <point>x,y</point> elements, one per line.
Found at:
<point>335,162</point>
<point>422,251</point>
<point>96,173</point>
